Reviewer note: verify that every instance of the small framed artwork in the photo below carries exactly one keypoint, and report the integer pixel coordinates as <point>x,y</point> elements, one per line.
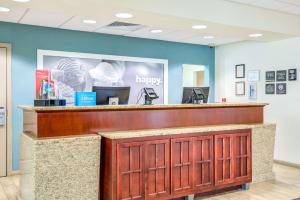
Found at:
<point>270,76</point>
<point>252,91</point>
<point>281,88</point>
<point>270,88</point>
<point>281,75</point>
<point>240,88</point>
<point>253,75</point>
<point>240,71</point>
<point>292,74</point>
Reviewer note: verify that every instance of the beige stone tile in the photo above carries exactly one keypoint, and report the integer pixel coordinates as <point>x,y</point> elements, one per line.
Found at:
<point>11,192</point>
<point>16,180</point>
<point>6,181</point>
<point>2,193</point>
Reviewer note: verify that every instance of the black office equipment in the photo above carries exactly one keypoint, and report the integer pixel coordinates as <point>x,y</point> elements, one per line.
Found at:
<point>49,102</point>
<point>195,95</point>
<point>111,95</point>
<point>150,95</point>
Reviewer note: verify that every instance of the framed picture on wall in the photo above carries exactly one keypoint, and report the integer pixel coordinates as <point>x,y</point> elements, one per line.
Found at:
<point>292,73</point>
<point>281,88</point>
<point>281,75</point>
<point>270,76</point>
<point>270,88</point>
<point>253,75</point>
<point>240,71</point>
<point>253,91</point>
<point>240,88</point>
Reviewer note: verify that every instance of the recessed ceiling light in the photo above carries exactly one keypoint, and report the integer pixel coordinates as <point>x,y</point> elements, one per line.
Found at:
<point>209,37</point>
<point>156,31</point>
<point>89,21</point>
<point>198,27</point>
<point>4,9</point>
<point>124,15</point>
<point>255,35</point>
<point>22,1</point>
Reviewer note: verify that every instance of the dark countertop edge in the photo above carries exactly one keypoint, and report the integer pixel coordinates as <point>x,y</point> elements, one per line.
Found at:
<point>139,107</point>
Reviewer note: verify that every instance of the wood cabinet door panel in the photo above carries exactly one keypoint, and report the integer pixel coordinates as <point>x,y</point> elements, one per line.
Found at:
<point>157,168</point>
<point>224,159</point>
<point>130,175</point>
<point>203,161</point>
<point>181,165</point>
<point>242,156</point>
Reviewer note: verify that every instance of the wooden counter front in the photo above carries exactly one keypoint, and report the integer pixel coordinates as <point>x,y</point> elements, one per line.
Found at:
<point>174,165</point>
<point>66,121</point>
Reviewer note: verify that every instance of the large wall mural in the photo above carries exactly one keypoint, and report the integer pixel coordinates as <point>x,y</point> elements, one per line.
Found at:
<point>80,72</point>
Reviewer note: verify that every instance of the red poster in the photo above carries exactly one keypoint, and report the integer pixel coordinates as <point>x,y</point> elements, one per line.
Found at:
<point>41,78</point>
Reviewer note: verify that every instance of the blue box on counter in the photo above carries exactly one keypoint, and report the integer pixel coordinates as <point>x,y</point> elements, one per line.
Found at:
<point>85,98</point>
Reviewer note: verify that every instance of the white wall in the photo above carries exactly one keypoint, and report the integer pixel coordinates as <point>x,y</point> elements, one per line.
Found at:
<point>283,109</point>
<point>188,78</point>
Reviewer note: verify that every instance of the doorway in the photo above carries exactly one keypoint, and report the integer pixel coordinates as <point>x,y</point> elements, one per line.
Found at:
<point>3,108</point>
<point>195,76</point>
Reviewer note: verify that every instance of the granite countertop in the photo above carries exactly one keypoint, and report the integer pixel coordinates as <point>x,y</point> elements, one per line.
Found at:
<point>140,107</point>
<point>174,131</point>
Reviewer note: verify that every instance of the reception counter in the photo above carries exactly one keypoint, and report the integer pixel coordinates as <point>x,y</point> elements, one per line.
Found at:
<point>67,151</point>
<point>65,121</point>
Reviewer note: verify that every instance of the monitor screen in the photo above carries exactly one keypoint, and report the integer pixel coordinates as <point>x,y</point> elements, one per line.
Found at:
<point>188,93</point>
<point>104,93</point>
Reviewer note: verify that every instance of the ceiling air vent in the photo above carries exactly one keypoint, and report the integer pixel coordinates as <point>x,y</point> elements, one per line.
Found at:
<point>123,26</point>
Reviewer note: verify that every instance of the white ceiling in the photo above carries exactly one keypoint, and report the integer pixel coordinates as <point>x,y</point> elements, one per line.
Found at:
<point>228,22</point>
<point>287,6</point>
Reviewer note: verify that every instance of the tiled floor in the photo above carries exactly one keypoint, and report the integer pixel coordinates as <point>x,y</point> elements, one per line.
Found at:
<point>9,188</point>
<point>285,187</point>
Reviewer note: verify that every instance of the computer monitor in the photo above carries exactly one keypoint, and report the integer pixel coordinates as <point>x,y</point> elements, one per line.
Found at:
<point>191,93</point>
<point>103,94</point>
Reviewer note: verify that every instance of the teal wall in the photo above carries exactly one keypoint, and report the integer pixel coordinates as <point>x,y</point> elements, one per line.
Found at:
<point>25,41</point>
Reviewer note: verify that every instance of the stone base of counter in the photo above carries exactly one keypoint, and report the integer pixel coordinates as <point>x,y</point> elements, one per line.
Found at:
<point>60,169</point>
<point>263,141</point>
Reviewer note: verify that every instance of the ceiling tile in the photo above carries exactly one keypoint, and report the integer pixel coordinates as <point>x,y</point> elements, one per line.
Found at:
<point>270,4</point>
<point>216,41</point>
<point>292,10</point>
<point>146,33</point>
<point>292,2</point>
<point>111,31</point>
<point>48,19</point>
<point>245,1</point>
<point>286,6</point>
<point>14,15</point>
<point>76,23</point>
<point>178,35</point>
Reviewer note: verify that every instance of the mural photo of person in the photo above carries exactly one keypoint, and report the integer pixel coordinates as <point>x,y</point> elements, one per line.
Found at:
<point>78,73</point>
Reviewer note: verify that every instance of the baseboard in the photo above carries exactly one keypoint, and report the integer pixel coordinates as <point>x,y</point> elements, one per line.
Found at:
<point>14,173</point>
<point>290,164</point>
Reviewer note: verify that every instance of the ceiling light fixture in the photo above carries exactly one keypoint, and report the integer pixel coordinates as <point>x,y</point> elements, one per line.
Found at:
<point>124,15</point>
<point>209,37</point>
<point>255,35</point>
<point>22,1</point>
<point>156,31</point>
<point>199,27</point>
<point>4,9</point>
<point>89,21</point>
